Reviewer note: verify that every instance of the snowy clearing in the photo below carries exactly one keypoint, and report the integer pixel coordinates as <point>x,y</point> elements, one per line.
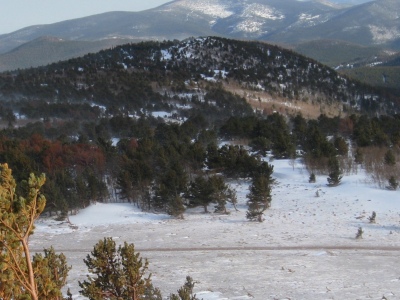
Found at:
<point>305,248</point>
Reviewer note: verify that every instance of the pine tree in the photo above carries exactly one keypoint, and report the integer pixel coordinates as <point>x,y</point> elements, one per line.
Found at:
<point>118,272</point>
<point>175,207</point>
<point>186,291</point>
<point>393,183</point>
<point>199,193</point>
<point>259,198</point>
<point>389,158</point>
<point>312,178</point>
<point>335,175</point>
<point>51,274</point>
<point>220,193</point>
<point>20,277</point>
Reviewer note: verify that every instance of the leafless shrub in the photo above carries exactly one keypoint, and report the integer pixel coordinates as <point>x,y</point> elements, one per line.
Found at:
<point>374,164</point>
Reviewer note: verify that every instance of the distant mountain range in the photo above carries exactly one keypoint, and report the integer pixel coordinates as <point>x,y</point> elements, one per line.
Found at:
<point>287,22</point>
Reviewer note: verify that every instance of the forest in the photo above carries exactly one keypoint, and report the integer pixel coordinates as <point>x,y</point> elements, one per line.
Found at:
<point>165,167</point>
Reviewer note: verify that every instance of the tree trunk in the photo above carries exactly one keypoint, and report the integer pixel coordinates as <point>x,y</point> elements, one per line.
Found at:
<point>32,283</point>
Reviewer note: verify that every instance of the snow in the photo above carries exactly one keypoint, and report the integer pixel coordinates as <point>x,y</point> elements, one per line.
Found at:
<point>248,26</point>
<point>381,34</point>
<point>305,248</point>
<point>262,11</point>
<point>207,7</point>
<point>165,55</point>
<point>161,114</point>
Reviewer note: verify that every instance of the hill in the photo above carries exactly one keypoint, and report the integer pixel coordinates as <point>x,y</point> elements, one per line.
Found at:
<point>337,54</point>
<point>45,50</point>
<point>383,76</point>
<point>154,73</point>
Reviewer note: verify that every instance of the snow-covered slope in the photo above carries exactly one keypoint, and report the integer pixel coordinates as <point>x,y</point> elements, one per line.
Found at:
<point>305,248</point>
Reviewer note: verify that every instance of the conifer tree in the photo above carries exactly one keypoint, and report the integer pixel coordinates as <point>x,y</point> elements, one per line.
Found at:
<point>312,178</point>
<point>259,198</point>
<point>199,193</point>
<point>20,277</point>
<point>51,272</point>
<point>389,158</point>
<point>393,183</point>
<point>220,193</point>
<point>335,175</point>
<point>118,272</point>
<point>186,291</point>
<point>175,206</point>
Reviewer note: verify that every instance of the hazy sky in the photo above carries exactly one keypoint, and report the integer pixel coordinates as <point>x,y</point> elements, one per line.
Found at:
<point>16,14</point>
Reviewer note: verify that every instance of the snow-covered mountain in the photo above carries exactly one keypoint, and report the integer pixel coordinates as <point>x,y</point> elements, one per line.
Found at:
<point>279,21</point>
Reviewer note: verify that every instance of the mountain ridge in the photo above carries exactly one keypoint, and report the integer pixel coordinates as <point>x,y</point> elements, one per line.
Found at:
<point>288,22</point>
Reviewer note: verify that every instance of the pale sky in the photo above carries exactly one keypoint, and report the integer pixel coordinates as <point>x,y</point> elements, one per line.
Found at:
<point>17,14</point>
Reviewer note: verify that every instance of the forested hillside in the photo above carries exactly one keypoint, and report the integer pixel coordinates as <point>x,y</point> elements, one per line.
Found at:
<point>144,122</point>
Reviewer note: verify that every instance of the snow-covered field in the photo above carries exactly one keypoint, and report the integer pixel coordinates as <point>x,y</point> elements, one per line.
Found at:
<point>305,248</point>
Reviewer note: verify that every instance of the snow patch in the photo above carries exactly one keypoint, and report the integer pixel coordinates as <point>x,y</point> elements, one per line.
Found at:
<point>262,11</point>
<point>207,7</point>
<point>383,34</point>
<point>248,26</point>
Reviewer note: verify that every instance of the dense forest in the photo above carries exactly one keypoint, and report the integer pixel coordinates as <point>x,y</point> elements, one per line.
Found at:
<point>154,124</point>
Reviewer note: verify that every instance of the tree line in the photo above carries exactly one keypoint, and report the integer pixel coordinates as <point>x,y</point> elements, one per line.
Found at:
<point>158,166</point>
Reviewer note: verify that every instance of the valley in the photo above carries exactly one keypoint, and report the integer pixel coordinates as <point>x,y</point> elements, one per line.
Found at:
<point>198,132</point>
<point>305,248</point>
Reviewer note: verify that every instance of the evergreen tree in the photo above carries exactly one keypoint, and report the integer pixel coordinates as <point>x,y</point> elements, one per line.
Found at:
<point>175,206</point>
<point>186,291</point>
<point>259,198</point>
<point>118,273</point>
<point>20,277</point>
<point>220,193</point>
<point>389,158</point>
<point>335,175</point>
<point>393,183</point>
<point>199,193</point>
<point>51,272</point>
<point>151,293</point>
<point>312,178</point>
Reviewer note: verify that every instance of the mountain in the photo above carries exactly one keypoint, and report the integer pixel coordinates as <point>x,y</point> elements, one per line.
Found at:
<point>44,50</point>
<point>372,23</point>
<point>337,54</point>
<point>288,21</point>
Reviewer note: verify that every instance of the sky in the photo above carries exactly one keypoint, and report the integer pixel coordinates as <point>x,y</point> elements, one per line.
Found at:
<point>17,14</point>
